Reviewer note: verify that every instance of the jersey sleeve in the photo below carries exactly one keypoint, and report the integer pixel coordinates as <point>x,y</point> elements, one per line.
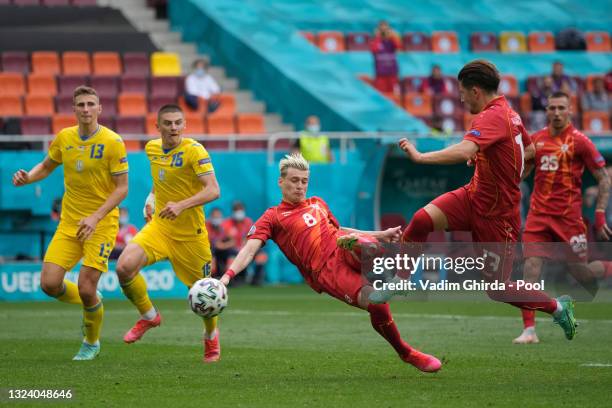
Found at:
<point>55,150</point>
<point>200,160</point>
<point>118,158</point>
<point>263,228</point>
<point>590,155</point>
<point>483,132</point>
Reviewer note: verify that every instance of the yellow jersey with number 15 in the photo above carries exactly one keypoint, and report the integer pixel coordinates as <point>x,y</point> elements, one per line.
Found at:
<point>89,167</point>
<point>175,174</point>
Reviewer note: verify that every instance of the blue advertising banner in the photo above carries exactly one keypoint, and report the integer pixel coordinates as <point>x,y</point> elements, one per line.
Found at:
<point>21,281</point>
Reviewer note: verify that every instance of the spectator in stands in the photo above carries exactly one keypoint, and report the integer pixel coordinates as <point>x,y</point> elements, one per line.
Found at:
<point>598,99</point>
<point>126,232</point>
<point>237,227</point>
<point>562,82</point>
<point>539,100</point>
<point>221,244</point>
<point>313,145</point>
<point>434,84</point>
<point>200,84</point>
<point>384,46</point>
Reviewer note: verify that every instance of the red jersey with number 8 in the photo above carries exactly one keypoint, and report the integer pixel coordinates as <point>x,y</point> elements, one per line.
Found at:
<point>501,137</point>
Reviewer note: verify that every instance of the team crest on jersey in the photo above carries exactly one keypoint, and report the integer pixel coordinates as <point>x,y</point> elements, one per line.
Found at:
<point>82,148</point>
<point>161,175</point>
<point>68,148</point>
<point>79,165</point>
<point>564,148</point>
<point>474,132</point>
<point>252,230</point>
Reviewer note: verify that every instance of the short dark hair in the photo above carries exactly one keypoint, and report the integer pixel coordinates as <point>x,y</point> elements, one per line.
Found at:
<point>84,90</point>
<point>559,94</point>
<point>170,107</point>
<point>480,73</point>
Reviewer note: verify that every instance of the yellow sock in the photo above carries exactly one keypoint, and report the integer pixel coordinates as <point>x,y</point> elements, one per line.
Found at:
<point>136,291</point>
<point>210,324</point>
<point>92,322</point>
<point>70,293</point>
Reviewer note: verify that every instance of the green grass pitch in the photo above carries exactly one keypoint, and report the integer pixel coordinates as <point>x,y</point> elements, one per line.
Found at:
<point>289,347</point>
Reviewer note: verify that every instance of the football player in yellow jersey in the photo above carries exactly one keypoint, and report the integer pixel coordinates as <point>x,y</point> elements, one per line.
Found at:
<point>183,181</point>
<point>95,182</point>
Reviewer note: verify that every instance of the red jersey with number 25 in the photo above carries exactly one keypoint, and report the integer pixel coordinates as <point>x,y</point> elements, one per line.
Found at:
<point>501,137</point>
<point>559,164</point>
<point>305,232</point>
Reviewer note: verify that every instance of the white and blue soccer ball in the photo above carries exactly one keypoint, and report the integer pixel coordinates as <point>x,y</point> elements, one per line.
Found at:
<point>208,297</point>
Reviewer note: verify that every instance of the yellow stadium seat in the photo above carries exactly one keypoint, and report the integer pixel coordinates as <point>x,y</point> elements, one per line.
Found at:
<point>512,41</point>
<point>165,64</point>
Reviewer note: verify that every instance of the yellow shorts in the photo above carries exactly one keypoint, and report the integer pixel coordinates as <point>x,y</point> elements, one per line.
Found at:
<point>190,259</point>
<point>66,250</point>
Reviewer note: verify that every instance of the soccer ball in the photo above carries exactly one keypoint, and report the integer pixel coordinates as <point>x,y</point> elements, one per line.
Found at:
<point>208,297</point>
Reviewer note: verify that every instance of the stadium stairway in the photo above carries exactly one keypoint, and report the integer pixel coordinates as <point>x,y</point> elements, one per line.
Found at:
<point>143,18</point>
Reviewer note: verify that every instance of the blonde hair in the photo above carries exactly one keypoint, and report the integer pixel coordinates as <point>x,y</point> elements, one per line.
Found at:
<point>294,161</point>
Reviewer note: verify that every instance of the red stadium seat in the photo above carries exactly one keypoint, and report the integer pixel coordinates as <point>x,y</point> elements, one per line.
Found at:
<point>227,104</point>
<point>107,120</point>
<point>165,86</point>
<point>598,41</point>
<point>39,105</point>
<point>595,122</point>
<point>63,104</point>
<point>151,124</point>
<point>331,41</point>
<point>202,106</point>
<point>132,104</point>
<point>39,84</point>
<point>35,125</point>
<point>447,105</point>
<point>157,101</point>
<point>444,42</point>
<point>418,104</point>
<point>412,84</point>
<point>416,42</point>
<point>106,63</point>
<point>452,85</point>
<point>483,41</point>
<point>68,83</point>
<point>136,63</point>
<point>250,124</point>
<point>60,121</point>
<point>589,86</point>
<point>11,84</point>
<point>15,61</point>
<point>195,124</point>
<point>105,85</point>
<point>130,125</point>
<point>131,83</point>
<point>10,105</point>
<point>541,41</point>
<point>508,85</point>
<point>220,124</point>
<point>452,124</point>
<point>525,103</point>
<point>76,63</point>
<point>358,41</point>
<point>109,105</point>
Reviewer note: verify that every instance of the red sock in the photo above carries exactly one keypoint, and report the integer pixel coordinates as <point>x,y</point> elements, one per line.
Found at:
<point>528,318</point>
<point>608,268</point>
<point>383,323</point>
<point>419,228</point>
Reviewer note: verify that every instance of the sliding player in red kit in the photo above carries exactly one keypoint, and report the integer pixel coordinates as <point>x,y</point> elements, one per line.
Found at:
<point>307,233</point>
<point>488,206</point>
<point>555,214</point>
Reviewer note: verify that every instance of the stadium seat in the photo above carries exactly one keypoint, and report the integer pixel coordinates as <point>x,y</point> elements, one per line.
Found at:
<point>596,122</point>
<point>105,85</point>
<point>132,104</point>
<point>63,104</point>
<point>202,106</point>
<point>54,3</point>
<point>106,63</point>
<point>76,63</point>
<point>358,41</point>
<point>447,105</point>
<point>418,104</point>
<point>136,63</point>
<point>15,61</point>
<point>39,105</point>
<point>444,41</point>
<point>589,86</point>
<point>107,120</point>
<point>109,105</point>
<point>165,64</point>
<point>164,86</point>
<point>508,85</point>
<point>11,84</point>
<point>35,125</point>
<point>311,37</point>
<point>132,83</point>
<point>10,105</point>
<point>157,101</point>
<point>45,62</point>
<point>541,41</point>
<point>250,123</point>
<point>60,121</point>
<point>331,41</point>
<point>412,84</point>
<point>40,84</point>
<point>220,124</point>
<point>512,41</point>
<point>533,84</point>
<point>514,102</point>
<point>68,83</point>
<point>195,124</point>
<point>598,41</point>
<point>151,124</point>
<point>227,104</point>
<point>452,85</point>
<point>483,41</point>
<point>525,103</point>
<point>392,220</point>
<point>129,125</point>
<point>416,42</point>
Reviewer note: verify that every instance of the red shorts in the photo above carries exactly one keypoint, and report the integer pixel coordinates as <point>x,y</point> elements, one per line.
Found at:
<point>340,278</point>
<point>548,229</point>
<point>387,83</point>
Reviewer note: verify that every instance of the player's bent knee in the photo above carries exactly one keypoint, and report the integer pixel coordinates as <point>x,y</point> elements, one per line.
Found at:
<point>421,224</point>
<point>130,261</point>
<point>51,288</point>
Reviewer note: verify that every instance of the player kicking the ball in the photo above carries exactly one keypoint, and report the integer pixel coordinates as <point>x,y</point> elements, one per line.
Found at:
<point>96,181</point>
<point>562,153</point>
<point>183,181</point>
<point>308,234</point>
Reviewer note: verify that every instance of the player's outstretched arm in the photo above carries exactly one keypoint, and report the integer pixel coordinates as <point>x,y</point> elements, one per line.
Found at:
<point>87,226</point>
<point>389,235</point>
<point>603,182</point>
<point>458,153</point>
<point>209,192</point>
<point>243,259</point>
<point>38,172</point>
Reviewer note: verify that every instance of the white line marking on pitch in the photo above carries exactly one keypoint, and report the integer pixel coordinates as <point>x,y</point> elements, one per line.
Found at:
<point>596,365</point>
